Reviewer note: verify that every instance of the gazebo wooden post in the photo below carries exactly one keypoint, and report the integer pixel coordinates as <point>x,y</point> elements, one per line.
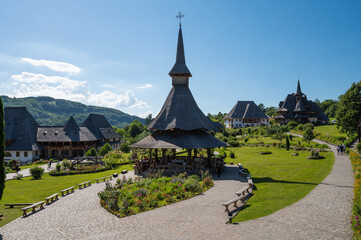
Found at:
<point>174,152</point>
<point>209,156</point>
<point>156,154</point>
<point>150,157</point>
<point>189,155</point>
<point>163,156</point>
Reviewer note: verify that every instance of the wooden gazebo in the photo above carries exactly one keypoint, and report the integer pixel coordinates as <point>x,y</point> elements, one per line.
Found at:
<point>179,125</point>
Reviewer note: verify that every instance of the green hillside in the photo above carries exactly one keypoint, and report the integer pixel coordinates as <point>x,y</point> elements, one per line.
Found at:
<point>55,112</point>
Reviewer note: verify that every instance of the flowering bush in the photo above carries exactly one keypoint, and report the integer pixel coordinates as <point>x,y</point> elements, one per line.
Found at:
<point>128,196</point>
<point>356,208</point>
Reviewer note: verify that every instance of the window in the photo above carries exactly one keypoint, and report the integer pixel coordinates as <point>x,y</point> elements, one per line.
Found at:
<point>7,154</point>
<point>17,154</point>
<point>25,154</point>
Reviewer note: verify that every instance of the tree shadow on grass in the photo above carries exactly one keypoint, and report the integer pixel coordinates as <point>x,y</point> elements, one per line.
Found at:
<point>271,180</point>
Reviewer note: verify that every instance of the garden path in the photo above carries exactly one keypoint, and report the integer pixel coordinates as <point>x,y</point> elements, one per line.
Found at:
<point>322,214</point>
<point>26,172</point>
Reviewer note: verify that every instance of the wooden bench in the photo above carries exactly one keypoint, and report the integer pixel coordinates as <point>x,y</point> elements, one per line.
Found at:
<point>234,201</point>
<point>52,198</point>
<point>11,205</point>
<point>103,178</point>
<point>84,184</point>
<point>250,183</point>
<point>33,207</point>
<point>67,191</point>
<point>243,191</point>
<point>243,173</point>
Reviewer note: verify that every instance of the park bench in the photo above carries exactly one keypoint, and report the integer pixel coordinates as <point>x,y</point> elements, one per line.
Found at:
<point>243,191</point>
<point>234,201</point>
<point>250,183</point>
<point>67,191</point>
<point>11,205</point>
<point>84,184</point>
<point>243,173</point>
<point>33,207</point>
<point>240,166</point>
<point>124,171</point>
<point>103,178</point>
<point>52,198</point>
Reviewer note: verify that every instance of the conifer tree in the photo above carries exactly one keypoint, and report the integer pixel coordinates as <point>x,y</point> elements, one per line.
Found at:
<point>287,143</point>
<point>2,150</point>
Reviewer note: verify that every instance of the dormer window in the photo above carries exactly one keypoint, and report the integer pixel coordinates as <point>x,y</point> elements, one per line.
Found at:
<point>45,132</point>
<point>56,133</point>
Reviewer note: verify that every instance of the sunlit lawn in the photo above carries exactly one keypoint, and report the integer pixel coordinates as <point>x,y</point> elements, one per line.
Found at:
<point>32,191</point>
<point>331,130</point>
<point>280,179</point>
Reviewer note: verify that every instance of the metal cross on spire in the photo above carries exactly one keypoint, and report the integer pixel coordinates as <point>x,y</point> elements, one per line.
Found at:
<point>180,16</point>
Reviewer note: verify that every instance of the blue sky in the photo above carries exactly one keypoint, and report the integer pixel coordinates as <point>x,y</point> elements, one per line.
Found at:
<point>118,53</point>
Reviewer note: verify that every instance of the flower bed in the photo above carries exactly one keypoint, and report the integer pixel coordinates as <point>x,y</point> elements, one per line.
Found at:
<point>80,170</point>
<point>356,208</point>
<point>128,196</point>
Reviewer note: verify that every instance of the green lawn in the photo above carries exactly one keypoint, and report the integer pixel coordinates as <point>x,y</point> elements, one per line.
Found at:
<point>280,179</point>
<point>330,129</point>
<point>28,190</point>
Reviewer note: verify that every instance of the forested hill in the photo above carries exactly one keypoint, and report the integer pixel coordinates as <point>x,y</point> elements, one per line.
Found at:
<point>55,112</point>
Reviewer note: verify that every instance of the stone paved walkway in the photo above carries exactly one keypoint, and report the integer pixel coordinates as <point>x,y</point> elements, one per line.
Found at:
<point>322,214</point>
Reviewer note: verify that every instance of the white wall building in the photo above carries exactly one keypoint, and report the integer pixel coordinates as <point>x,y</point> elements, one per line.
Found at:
<point>246,114</point>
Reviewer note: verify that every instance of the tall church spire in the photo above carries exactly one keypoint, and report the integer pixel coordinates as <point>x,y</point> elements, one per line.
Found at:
<point>180,68</point>
<point>299,92</point>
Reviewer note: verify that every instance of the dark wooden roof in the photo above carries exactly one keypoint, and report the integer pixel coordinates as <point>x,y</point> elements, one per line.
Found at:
<point>100,127</point>
<point>179,139</point>
<point>246,110</point>
<point>180,111</point>
<point>180,68</point>
<point>59,134</point>
<point>297,103</point>
<point>21,129</point>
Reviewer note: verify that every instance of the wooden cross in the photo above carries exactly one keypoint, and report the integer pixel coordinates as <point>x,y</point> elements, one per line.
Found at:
<point>180,16</point>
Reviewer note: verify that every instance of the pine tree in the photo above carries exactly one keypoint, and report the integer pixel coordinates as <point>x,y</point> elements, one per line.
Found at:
<point>287,143</point>
<point>2,150</point>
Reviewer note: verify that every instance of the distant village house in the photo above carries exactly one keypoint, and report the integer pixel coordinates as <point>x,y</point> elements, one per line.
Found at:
<point>246,114</point>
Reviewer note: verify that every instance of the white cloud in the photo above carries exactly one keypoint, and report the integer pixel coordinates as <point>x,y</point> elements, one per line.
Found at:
<point>53,65</point>
<point>110,99</point>
<point>32,84</point>
<point>107,86</point>
<point>145,86</point>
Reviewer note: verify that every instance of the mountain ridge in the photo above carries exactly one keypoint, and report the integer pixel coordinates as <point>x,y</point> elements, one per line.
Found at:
<point>49,111</point>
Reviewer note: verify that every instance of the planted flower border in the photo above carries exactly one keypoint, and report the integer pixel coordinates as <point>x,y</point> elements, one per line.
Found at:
<point>356,207</point>
<point>128,197</point>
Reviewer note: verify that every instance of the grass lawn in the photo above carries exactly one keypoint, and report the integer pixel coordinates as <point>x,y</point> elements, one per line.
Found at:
<point>280,179</point>
<point>28,190</point>
<point>330,129</point>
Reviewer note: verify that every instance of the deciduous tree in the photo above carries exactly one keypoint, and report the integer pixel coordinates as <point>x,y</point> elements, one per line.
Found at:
<point>2,150</point>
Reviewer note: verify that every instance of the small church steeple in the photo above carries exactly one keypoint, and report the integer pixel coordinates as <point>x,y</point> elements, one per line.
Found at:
<point>180,72</point>
<point>299,92</point>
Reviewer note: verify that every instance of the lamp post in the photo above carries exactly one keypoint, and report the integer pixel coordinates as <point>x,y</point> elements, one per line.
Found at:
<point>230,217</point>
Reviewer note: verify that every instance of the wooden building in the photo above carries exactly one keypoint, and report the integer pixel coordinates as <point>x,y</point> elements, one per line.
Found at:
<point>180,124</point>
<point>246,114</point>
<point>296,107</point>
<point>27,141</point>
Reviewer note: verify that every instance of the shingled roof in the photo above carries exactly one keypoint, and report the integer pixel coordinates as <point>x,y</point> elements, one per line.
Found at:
<point>246,110</point>
<point>179,139</point>
<point>21,129</point>
<point>180,111</point>
<point>180,67</point>
<point>100,127</point>
<point>298,107</point>
<point>71,132</point>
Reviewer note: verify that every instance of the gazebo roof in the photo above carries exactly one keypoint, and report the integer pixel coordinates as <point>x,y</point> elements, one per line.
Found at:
<point>179,139</point>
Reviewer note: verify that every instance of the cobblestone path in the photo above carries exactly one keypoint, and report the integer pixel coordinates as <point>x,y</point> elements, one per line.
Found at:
<point>322,214</point>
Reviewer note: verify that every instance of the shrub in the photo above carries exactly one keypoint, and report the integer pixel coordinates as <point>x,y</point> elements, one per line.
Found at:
<point>36,172</point>
<point>358,147</point>
<point>291,125</point>
<point>231,154</point>
<point>91,152</point>
<point>66,163</point>
<point>140,192</point>
<point>287,143</point>
<point>195,177</point>
<point>176,179</point>
<point>105,149</point>
<point>58,167</point>
<point>192,186</point>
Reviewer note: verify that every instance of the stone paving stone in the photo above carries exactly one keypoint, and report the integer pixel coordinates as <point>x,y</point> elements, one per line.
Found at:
<point>322,214</point>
